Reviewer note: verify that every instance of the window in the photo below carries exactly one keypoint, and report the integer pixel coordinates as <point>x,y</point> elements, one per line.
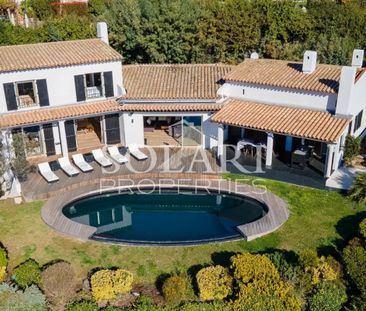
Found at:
<point>31,137</point>
<point>358,121</point>
<point>94,85</point>
<point>26,93</point>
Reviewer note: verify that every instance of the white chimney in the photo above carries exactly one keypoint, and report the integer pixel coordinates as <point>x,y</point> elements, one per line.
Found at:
<point>357,58</point>
<point>346,83</point>
<point>309,63</point>
<point>102,32</point>
<point>254,55</point>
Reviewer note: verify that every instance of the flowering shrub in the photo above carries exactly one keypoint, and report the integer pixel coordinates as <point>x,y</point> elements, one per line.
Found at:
<point>107,284</point>
<point>31,299</point>
<point>59,283</point>
<point>27,273</point>
<point>177,288</point>
<point>248,267</point>
<point>214,283</point>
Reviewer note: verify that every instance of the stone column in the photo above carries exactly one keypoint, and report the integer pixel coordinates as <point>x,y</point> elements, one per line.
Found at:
<point>62,132</point>
<point>269,151</point>
<point>329,160</point>
<point>220,142</point>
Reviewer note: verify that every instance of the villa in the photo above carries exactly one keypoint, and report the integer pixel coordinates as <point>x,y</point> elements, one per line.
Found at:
<point>75,96</point>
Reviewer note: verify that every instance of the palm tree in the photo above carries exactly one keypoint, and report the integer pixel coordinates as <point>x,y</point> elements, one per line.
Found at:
<point>358,190</point>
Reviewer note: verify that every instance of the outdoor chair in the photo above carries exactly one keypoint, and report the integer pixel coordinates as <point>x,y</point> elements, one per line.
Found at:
<point>67,167</point>
<point>46,172</point>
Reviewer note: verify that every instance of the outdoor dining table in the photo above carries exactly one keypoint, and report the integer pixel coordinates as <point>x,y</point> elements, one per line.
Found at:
<point>301,156</point>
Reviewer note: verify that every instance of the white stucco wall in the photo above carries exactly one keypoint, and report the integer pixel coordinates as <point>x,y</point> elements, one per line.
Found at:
<point>60,81</point>
<point>279,96</point>
<point>358,102</point>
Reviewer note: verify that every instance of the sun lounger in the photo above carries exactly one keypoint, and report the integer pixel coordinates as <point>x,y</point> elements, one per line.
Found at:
<point>116,155</point>
<point>81,163</point>
<point>137,153</point>
<point>67,167</point>
<point>101,158</point>
<point>45,170</point>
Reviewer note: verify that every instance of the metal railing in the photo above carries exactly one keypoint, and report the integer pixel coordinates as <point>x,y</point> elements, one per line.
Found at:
<point>94,92</point>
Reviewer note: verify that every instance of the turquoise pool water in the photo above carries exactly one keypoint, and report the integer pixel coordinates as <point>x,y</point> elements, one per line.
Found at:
<point>165,217</point>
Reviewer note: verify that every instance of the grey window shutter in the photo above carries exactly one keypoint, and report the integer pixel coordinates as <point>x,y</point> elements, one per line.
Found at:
<point>70,135</point>
<point>80,88</point>
<point>43,92</point>
<point>48,139</point>
<point>108,84</point>
<point>112,129</point>
<point>11,99</point>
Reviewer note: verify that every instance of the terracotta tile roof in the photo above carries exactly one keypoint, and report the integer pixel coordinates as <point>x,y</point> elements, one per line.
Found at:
<point>43,115</point>
<point>310,124</point>
<point>171,107</point>
<point>286,74</point>
<point>187,81</point>
<point>55,54</point>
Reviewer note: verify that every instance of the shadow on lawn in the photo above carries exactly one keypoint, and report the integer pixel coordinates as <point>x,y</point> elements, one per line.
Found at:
<point>347,228</point>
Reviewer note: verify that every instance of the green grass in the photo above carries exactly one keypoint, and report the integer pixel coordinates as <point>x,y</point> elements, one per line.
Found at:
<point>318,220</point>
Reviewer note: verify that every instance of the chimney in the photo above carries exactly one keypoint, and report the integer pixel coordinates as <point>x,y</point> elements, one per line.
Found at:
<point>309,63</point>
<point>102,32</point>
<point>357,58</point>
<point>254,55</point>
<point>346,83</point>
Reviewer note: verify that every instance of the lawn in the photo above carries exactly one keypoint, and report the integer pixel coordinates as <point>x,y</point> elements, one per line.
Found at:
<point>319,220</point>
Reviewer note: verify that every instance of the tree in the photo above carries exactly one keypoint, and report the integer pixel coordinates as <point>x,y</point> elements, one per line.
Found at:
<point>358,190</point>
<point>352,148</point>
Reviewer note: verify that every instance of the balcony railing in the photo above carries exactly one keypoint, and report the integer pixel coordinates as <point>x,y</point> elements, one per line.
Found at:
<point>94,92</point>
<point>26,101</point>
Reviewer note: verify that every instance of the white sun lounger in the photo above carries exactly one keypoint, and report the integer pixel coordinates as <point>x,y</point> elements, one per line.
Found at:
<point>116,155</point>
<point>45,170</point>
<point>81,163</point>
<point>137,153</point>
<point>101,158</point>
<point>67,167</point>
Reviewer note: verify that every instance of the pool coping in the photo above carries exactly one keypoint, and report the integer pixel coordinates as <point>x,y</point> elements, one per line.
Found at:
<point>275,217</point>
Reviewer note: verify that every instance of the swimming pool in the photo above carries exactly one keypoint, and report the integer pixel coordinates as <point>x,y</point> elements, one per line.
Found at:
<point>165,216</point>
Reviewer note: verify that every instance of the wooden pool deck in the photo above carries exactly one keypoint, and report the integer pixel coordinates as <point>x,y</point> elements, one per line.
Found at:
<point>276,216</point>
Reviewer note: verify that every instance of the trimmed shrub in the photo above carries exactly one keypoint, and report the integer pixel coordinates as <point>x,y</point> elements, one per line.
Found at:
<point>122,281</point>
<point>177,289</point>
<point>102,285</point>
<point>261,294</point>
<point>3,257</point>
<point>260,285</point>
<point>3,264</point>
<point>354,257</point>
<point>214,283</point>
<point>107,284</point>
<point>248,267</point>
<point>31,299</point>
<point>83,306</point>
<point>328,296</point>
<point>27,273</point>
<point>59,283</point>
<point>308,258</point>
